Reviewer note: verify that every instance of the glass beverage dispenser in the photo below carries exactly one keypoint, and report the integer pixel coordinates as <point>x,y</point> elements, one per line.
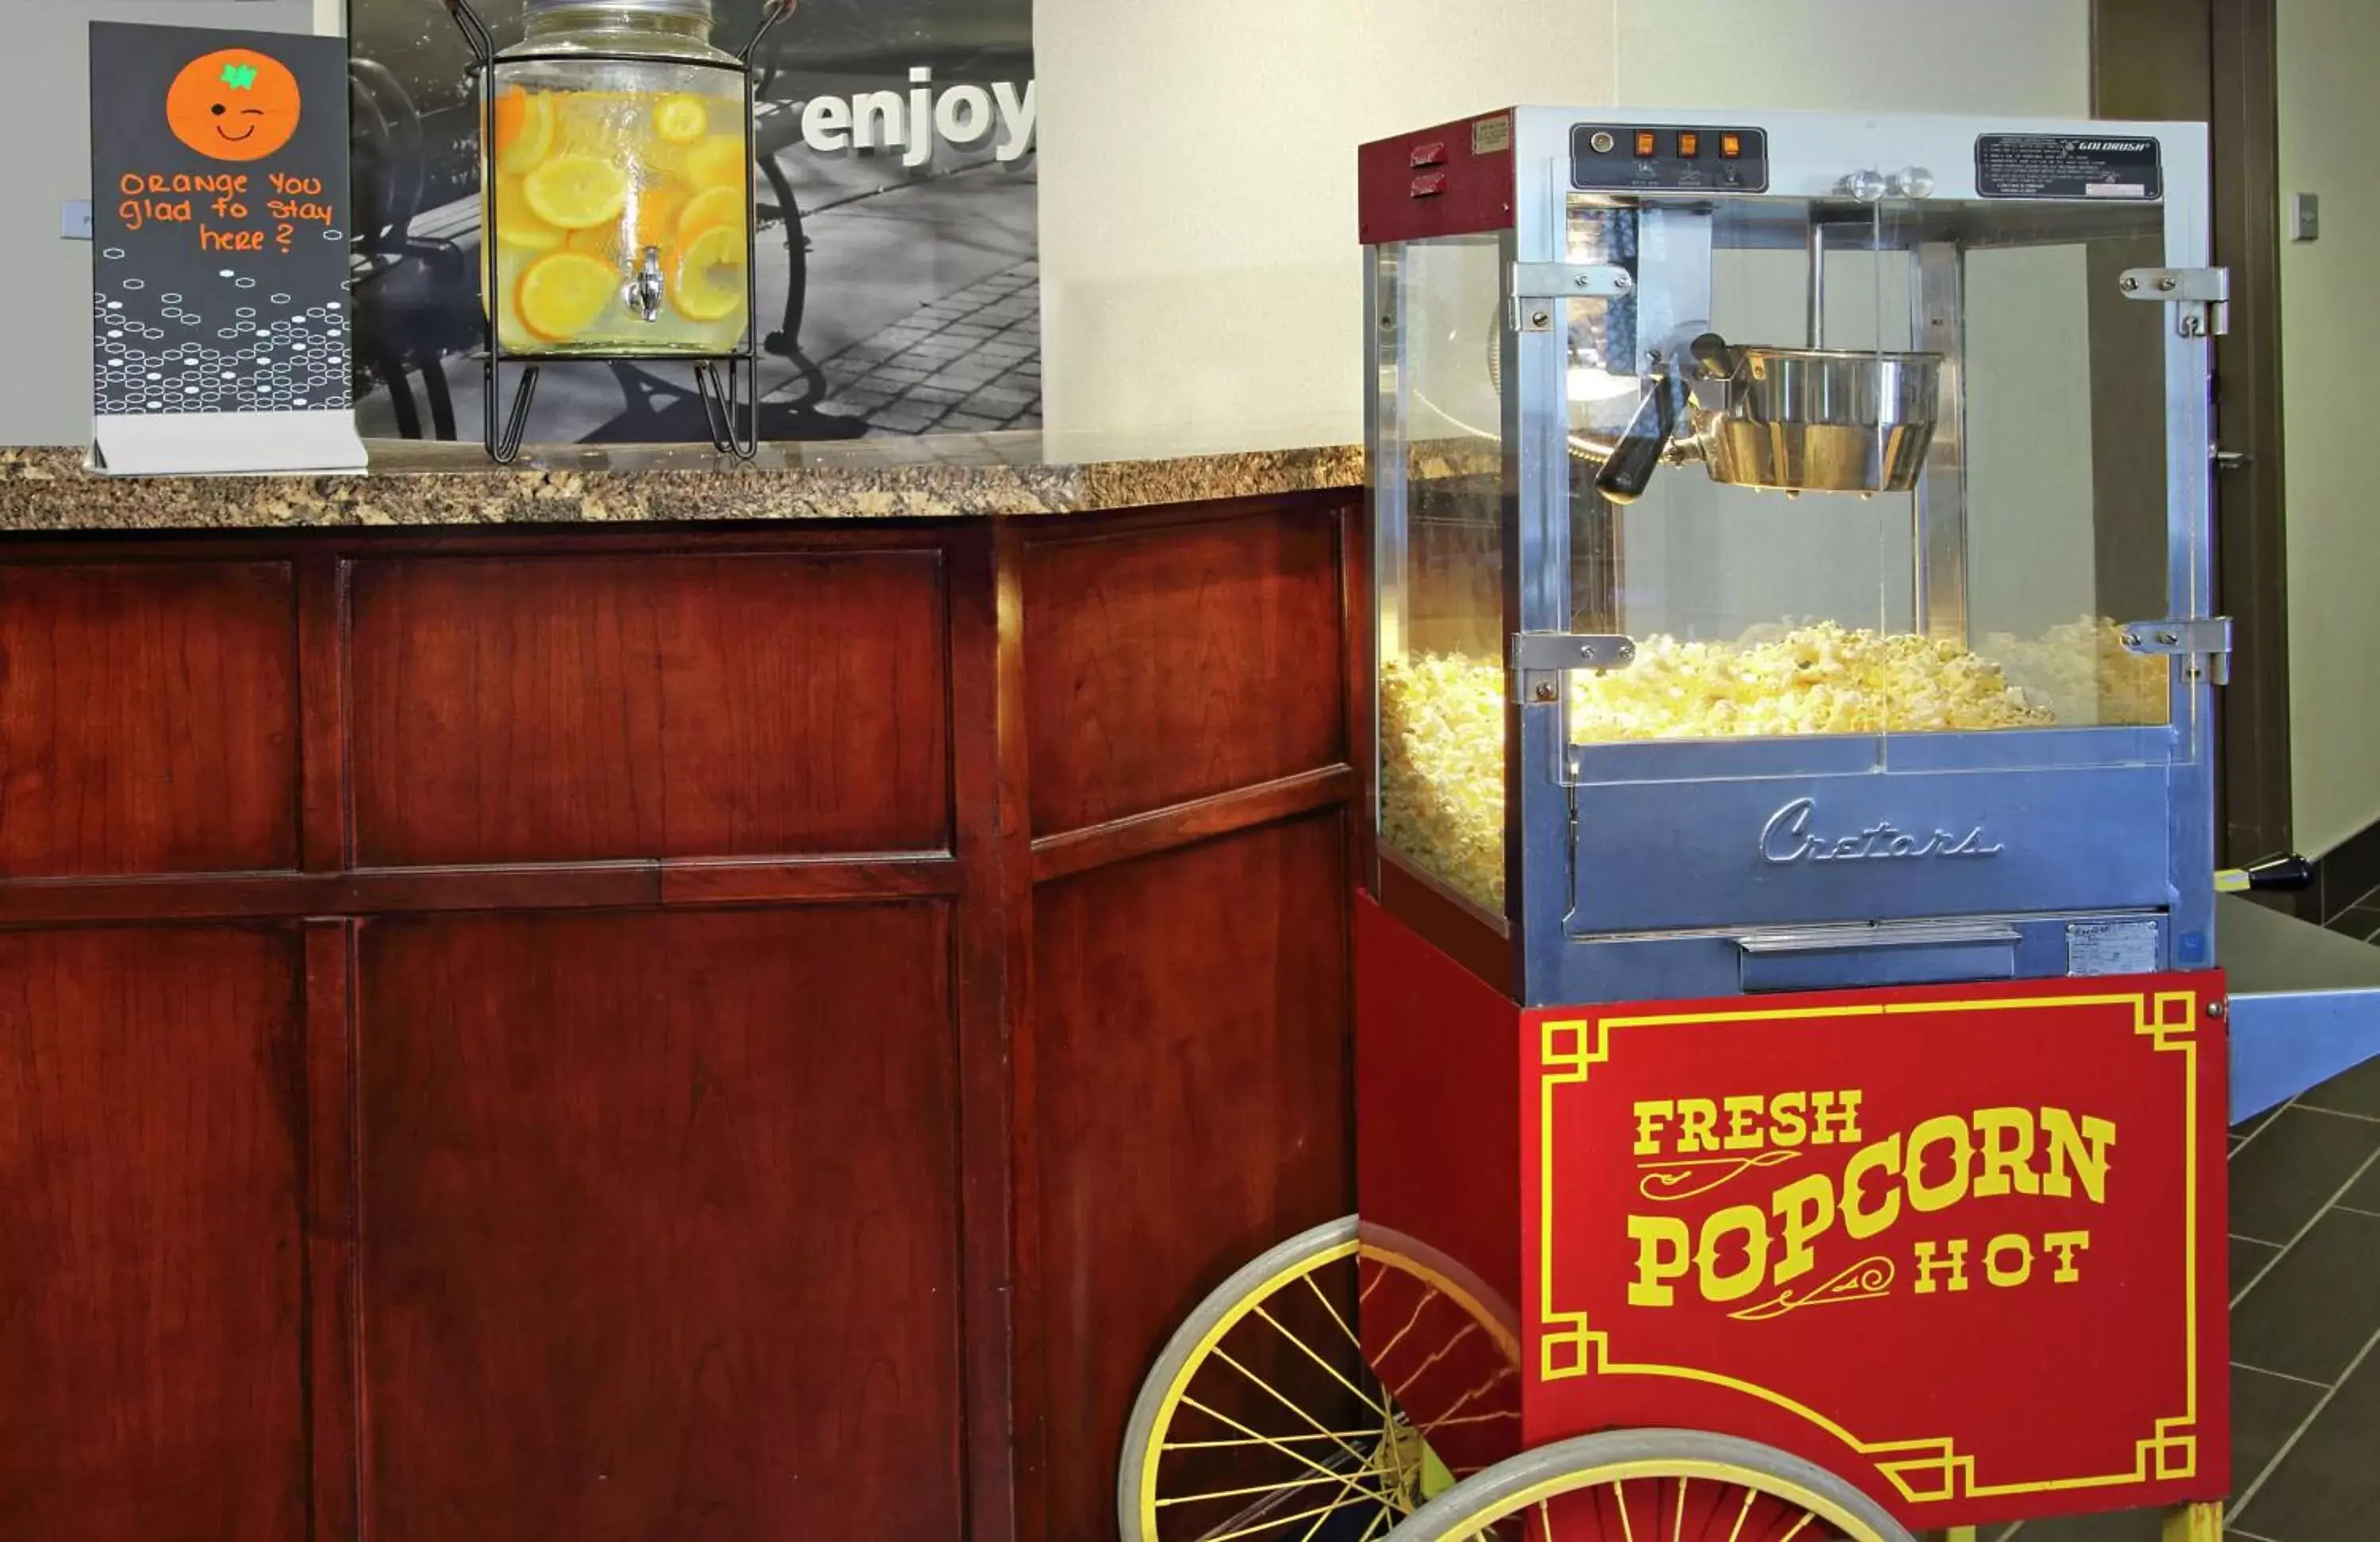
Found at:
<point>616,156</point>
<point>1792,548</point>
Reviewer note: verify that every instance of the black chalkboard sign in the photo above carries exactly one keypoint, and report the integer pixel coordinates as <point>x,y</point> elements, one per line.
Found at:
<point>220,308</point>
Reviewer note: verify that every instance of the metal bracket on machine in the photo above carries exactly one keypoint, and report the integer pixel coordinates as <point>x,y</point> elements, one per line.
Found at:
<point>1540,659</point>
<point>2208,639</point>
<point>1536,286</point>
<point>2201,296</point>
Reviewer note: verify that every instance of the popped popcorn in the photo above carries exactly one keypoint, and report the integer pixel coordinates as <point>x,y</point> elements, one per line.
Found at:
<point>2082,673</point>
<point>1442,714</point>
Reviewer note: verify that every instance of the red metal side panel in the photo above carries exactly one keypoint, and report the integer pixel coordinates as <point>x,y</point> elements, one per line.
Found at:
<point>1964,1248</point>
<point>1438,1183</point>
<point>1452,180</point>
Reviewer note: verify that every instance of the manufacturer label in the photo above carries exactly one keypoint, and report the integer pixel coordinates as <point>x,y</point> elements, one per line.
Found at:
<point>2068,166</point>
<point>2094,948</point>
<point>1492,134</point>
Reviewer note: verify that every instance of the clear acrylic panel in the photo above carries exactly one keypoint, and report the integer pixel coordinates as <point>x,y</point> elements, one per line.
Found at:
<point>1752,608</point>
<point>1439,562</point>
<point>2065,459</point>
<point>1919,478</point>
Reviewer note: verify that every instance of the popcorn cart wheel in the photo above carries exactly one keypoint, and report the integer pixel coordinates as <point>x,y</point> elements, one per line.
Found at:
<point>1262,1418</point>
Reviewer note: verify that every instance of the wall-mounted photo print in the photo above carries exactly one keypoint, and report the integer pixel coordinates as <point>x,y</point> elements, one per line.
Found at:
<point>894,256</point>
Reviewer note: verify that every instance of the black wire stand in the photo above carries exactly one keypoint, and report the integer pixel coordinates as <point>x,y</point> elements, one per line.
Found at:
<point>731,400</point>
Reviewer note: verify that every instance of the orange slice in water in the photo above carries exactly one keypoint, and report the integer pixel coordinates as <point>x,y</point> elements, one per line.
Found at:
<point>681,119</point>
<point>597,240</point>
<point>717,161</point>
<point>524,130</point>
<point>708,283</point>
<point>517,225</point>
<point>575,191</point>
<point>720,206</point>
<point>561,295</point>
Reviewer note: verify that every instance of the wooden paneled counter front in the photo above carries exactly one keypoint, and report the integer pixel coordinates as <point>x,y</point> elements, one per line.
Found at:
<point>572,1024</point>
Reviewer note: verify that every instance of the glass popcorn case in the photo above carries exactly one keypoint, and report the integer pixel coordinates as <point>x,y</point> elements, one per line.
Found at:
<point>1790,547</point>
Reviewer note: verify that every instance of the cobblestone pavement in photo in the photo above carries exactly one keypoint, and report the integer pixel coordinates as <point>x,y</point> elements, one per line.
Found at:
<point>968,363</point>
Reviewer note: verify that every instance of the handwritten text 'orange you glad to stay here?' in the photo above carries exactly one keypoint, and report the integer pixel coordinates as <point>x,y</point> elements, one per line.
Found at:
<point>221,204</point>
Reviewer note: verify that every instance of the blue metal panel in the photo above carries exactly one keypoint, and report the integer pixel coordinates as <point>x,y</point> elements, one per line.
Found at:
<point>1687,855</point>
<point>2305,1004</point>
<point>1705,964</point>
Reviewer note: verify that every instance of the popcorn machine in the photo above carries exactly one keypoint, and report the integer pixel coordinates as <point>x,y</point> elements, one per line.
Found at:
<point>1792,549</point>
<point>1793,1068</point>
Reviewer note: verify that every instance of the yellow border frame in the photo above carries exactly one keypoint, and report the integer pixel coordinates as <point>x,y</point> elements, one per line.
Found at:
<point>1569,1347</point>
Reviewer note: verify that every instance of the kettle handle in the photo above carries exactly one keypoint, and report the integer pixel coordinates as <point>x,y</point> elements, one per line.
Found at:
<point>1633,461</point>
<point>1696,355</point>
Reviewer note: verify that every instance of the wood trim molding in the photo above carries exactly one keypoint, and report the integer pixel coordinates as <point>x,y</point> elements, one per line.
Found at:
<point>1160,830</point>
<point>334,1305</point>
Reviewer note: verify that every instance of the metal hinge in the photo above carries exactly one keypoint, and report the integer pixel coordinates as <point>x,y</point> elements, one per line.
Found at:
<point>1536,285</point>
<point>2201,296</point>
<point>1540,659</point>
<point>2208,639</point>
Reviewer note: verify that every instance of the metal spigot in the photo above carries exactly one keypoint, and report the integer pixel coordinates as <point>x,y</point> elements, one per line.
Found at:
<point>645,290</point>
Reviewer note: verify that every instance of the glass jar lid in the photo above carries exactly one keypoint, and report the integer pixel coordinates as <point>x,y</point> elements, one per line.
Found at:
<point>697,11</point>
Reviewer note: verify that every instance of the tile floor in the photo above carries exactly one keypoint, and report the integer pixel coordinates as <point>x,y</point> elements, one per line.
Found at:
<point>2305,1322</point>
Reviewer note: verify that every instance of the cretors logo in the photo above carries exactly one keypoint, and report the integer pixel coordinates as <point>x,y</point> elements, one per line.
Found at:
<point>1786,839</point>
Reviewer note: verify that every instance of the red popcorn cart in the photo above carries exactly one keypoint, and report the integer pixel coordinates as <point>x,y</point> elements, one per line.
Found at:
<point>1792,1061</point>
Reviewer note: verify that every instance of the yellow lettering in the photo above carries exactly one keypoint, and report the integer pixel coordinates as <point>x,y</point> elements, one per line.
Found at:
<point>1952,1265</point>
<point>1807,1208</point>
<point>1735,1286</point>
<point>1742,1125</point>
<point>1946,1130</point>
<point>1697,1124</point>
<point>1650,1117</point>
<point>1883,1156</point>
<point>2066,1244</point>
<point>2008,1242</point>
<point>1660,1254</point>
<point>2004,1136</point>
<point>2086,1148</point>
<point>1785,1114</point>
<point>1834,1118</point>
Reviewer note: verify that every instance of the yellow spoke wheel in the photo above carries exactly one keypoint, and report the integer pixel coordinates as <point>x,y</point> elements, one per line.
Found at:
<point>1652,1486</point>
<point>1261,1421</point>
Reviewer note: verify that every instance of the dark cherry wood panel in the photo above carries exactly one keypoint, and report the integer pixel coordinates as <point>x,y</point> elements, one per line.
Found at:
<point>656,1036</point>
<point>1167,664</point>
<point>1192,1104</point>
<point>146,718</point>
<point>659,1226</point>
<point>522,709</point>
<point>151,1268</point>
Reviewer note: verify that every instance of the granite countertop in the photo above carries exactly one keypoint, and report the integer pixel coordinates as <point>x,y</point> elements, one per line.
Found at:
<point>941,476</point>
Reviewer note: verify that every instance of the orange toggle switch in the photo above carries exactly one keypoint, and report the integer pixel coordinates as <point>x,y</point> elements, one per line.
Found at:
<point>1689,145</point>
<point>1730,146</point>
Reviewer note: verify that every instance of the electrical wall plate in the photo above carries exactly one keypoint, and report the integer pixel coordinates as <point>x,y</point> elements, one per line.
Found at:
<point>2305,216</point>
<point>73,220</point>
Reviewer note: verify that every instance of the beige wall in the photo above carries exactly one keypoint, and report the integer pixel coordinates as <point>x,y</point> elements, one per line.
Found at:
<point>2329,116</point>
<point>1198,193</point>
<point>1198,261</point>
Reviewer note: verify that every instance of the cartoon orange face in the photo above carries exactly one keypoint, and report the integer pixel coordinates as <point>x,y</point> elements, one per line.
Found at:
<point>235,105</point>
